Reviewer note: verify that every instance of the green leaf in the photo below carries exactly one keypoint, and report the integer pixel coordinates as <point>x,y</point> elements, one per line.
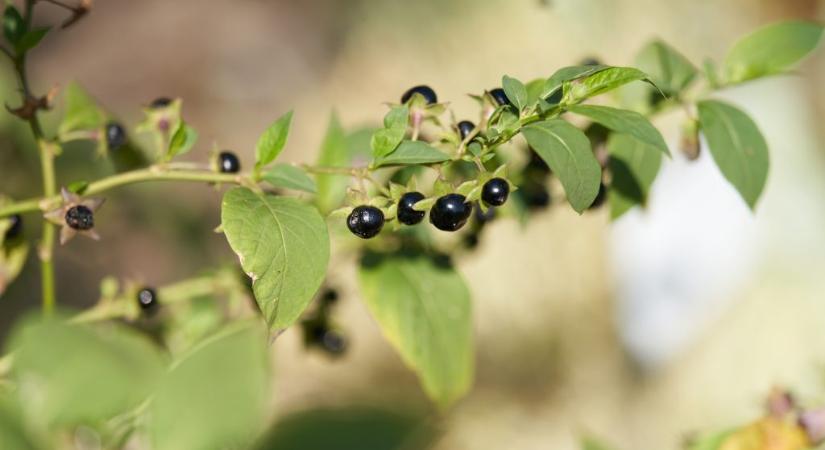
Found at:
<point>78,187</point>
<point>13,432</point>
<point>412,152</point>
<point>534,90</point>
<point>14,27</point>
<point>423,308</point>
<point>602,81</point>
<point>82,112</point>
<point>771,50</point>
<point>182,141</point>
<point>633,166</point>
<point>272,142</point>
<point>13,256</point>
<point>339,150</point>
<point>515,91</point>
<point>666,67</point>
<point>385,140</point>
<point>75,374</point>
<point>30,40</point>
<point>290,177</point>
<point>283,246</point>
<point>624,121</point>
<point>216,396</point>
<point>556,80</point>
<point>567,151</point>
<point>737,147</point>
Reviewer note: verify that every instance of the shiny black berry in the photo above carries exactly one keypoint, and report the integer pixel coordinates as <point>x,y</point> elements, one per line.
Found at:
<point>601,196</point>
<point>15,227</point>
<point>80,218</point>
<point>500,97</point>
<point>495,192</point>
<point>406,214</point>
<point>465,127</point>
<point>427,92</point>
<point>365,221</point>
<point>228,162</point>
<point>450,212</point>
<point>160,102</point>
<point>147,298</point>
<point>115,135</point>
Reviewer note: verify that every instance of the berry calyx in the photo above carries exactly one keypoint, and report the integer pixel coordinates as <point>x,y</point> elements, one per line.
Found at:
<point>406,214</point>
<point>495,192</point>
<point>147,298</point>
<point>500,97</point>
<point>427,92</point>
<point>365,221</point>
<point>160,102</point>
<point>450,212</point>
<point>465,127</point>
<point>115,136</point>
<point>228,162</point>
<point>80,218</point>
<point>15,228</point>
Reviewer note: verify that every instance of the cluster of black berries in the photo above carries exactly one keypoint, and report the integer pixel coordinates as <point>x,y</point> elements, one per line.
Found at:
<point>449,212</point>
<point>318,332</point>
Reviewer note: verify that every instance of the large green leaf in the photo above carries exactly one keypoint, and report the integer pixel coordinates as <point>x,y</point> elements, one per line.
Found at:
<point>385,140</point>
<point>290,177</point>
<point>567,151</point>
<point>412,152</point>
<point>602,81</point>
<point>624,121</point>
<point>633,166</point>
<point>272,141</point>
<point>82,112</point>
<point>13,431</point>
<point>666,67</point>
<point>72,374</point>
<point>771,50</point>
<point>515,91</point>
<point>737,147</point>
<point>283,246</point>
<point>215,398</point>
<point>423,308</point>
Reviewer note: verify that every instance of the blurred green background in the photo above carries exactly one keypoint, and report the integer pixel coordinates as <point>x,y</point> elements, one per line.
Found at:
<point>569,340</point>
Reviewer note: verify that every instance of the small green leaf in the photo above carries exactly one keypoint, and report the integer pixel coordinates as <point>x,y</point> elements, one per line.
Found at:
<point>283,246</point>
<point>515,91</point>
<point>633,167</point>
<point>272,141</point>
<point>737,147</point>
<point>602,81</point>
<point>216,396</point>
<point>290,177</point>
<point>78,187</point>
<point>30,40</point>
<point>14,27</point>
<point>534,90</point>
<point>624,121</point>
<point>667,68</point>
<point>567,151</point>
<point>183,139</point>
<point>412,152</point>
<point>428,322</point>
<point>82,112</point>
<point>12,256</point>
<point>771,50</point>
<point>556,80</point>
<point>385,140</point>
<point>80,374</point>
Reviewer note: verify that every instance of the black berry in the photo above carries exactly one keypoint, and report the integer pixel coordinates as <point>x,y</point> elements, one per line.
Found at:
<point>80,218</point>
<point>15,228</point>
<point>115,135</point>
<point>450,212</point>
<point>406,214</point>
<point>500,97</point>
<point>160,102</point>
<point>601,196</point>
<point>427,92</point>
<point>333,342</point>
<point>495,192</point>
<point>365,221</point>
<point>147,298</point>
<point>465,127</point>
<point>228,162</point>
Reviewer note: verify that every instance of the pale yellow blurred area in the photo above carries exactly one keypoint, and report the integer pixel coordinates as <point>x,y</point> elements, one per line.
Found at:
<point>550,364</point>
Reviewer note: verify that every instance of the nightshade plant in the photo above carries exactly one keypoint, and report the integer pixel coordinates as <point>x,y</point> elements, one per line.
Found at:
<point>205,391</point>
